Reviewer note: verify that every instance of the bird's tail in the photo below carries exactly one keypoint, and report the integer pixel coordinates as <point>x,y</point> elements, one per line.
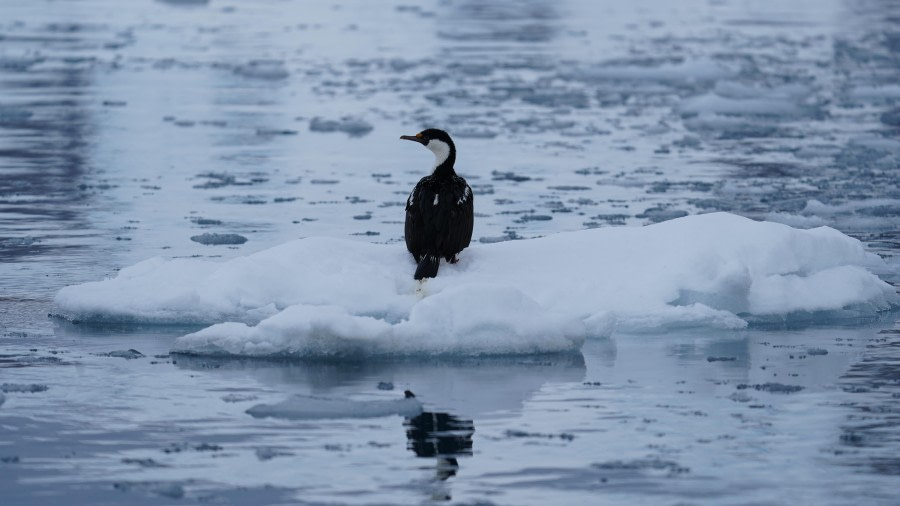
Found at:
<point>428,267</point>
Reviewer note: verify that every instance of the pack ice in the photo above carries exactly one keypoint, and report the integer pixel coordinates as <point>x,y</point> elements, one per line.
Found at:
<point>325,296</point>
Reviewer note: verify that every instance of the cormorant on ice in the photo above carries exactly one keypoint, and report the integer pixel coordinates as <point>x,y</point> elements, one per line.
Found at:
<point>439,211</point>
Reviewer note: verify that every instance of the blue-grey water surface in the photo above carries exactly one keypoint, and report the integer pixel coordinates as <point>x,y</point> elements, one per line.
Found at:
<point>131,129</point>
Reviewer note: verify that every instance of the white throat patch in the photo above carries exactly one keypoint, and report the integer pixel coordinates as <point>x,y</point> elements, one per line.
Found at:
<point>440,149</point>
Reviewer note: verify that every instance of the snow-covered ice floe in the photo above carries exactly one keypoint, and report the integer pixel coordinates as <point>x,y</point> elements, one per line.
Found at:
<point>305,407</point>
<point>333,297</point>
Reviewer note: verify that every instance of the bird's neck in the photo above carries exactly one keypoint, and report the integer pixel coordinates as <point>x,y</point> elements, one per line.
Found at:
<point>445,168</point>
<point>444,158</point>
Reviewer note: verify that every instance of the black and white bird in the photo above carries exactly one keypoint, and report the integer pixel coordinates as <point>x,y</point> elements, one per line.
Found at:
<point>439,211</point>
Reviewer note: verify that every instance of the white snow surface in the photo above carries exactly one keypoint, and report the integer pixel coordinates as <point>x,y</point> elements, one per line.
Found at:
<point>307,407</point>
<point>320,297</point>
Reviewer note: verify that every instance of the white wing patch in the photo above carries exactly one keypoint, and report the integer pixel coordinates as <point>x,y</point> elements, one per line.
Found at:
<point>465,197</point>
<point>435,200</point>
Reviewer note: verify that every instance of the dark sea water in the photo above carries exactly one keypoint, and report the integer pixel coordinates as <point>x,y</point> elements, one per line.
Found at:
<point>129,130</point>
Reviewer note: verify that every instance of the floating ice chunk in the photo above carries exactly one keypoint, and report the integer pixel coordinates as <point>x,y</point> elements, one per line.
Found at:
<point>2,398</point>
<point>165,489</point>
<point>797,221</point>
<point>302,407</point>
<point>702,69</point>
<point>736,111</point>
<point>238,397</point>
<point>129,354</point>
<point>730,127</point>
<point>271,70</point>
<point>23,388</point>
<point>557,98</point>
<point>888,92</point>
<point>872,214</point>
<point>884,145</point>
<point>354,127</point>
<point>891,117</point>
<point>13,114</point>
<point>761,106</point>
<point>775,388</point>
<point>219,239</point>
<point>337,297</point>
<point>17,242</point>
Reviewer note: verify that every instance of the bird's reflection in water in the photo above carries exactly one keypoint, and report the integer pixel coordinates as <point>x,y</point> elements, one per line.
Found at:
<point>443,437</point>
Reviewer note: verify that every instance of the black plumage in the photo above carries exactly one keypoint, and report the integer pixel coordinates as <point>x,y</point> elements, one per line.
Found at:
<point>439,212</point>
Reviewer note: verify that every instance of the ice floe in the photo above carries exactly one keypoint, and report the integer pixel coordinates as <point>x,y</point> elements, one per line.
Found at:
<point>323,296</point>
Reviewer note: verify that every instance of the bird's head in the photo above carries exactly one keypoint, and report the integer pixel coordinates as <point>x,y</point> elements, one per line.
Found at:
<point>438,141</point>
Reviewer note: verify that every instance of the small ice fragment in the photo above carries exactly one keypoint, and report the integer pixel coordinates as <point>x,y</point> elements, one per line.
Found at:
<point>143,462</point>
<point>206,221</point>
<point>275,131</point>
<point>891,118</point>
<point>817,351</point>
<point>238,397</point>
<point>269,453</point>
<point>170,490</point>
<point>775,388</point>
<point>23,388</point>
<point>740,397</point>
<point>219,239</point>
<point>660,214</point>
<point>354,127</point>
<point>540,435</point>
<point>385,385</point>
<point>270,70</point>
<point>130,354</point>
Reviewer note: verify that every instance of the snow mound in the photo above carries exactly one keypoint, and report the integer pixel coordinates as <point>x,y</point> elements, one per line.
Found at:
<point>321,296</point>
<point>302,407</point>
